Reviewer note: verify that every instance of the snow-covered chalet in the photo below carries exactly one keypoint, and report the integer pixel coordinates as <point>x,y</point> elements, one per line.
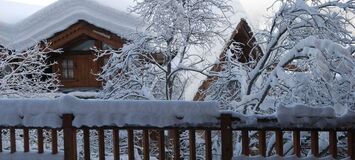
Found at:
<point>78,25</point>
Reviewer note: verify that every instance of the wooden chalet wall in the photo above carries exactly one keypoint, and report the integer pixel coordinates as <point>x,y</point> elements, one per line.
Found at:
<point>81,62</point>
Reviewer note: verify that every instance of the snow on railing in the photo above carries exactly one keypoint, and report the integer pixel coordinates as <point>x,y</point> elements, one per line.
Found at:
<point>150,119</point>
<point>48,112</point>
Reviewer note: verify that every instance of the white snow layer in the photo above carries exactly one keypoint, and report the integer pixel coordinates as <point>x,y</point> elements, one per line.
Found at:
<point>299,115</point>
<point>48,112</point>
<point>62,14</point>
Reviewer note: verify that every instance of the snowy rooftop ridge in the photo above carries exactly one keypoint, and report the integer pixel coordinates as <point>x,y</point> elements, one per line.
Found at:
<point>62,14</point>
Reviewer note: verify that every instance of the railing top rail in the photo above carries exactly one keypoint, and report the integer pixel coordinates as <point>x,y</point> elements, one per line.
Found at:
<point>238,122</point>
<point>48,113</point>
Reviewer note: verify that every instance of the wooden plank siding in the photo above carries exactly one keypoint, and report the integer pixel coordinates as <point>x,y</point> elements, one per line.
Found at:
<point>84,65</point>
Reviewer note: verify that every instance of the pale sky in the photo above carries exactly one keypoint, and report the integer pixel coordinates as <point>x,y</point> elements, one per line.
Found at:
<point>12,11</point>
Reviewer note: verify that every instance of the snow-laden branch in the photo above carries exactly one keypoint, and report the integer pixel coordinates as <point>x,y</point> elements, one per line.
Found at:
<point>153,64</point>
<point>23,73</point>
<point>303,49</point>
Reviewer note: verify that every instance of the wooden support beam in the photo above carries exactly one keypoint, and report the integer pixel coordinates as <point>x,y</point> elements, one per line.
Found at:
<point>227,136</point>
<point>69,143</point>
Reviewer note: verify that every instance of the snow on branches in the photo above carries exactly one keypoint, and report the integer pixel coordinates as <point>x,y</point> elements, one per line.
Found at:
<point>153,63</point>
<point>307,58</point>
<point>23,73</point>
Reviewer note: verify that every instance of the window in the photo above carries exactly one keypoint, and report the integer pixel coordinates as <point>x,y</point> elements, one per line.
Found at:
<point>68,69</point>
<point>107,46</point>
<point>84,46</point>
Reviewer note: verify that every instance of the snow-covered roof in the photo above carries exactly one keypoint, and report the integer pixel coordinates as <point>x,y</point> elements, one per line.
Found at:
<point>62,14</point>
<point>9,11</point>
<point>213,53</point>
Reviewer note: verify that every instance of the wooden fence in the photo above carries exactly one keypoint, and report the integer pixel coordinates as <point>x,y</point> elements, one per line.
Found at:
<point>228,124</point>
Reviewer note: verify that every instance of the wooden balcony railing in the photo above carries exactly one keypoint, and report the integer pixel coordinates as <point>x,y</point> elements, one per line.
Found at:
<point>226,128</point>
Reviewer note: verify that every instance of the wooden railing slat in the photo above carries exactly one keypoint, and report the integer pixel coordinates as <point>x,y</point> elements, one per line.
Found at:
<point>86,138</point>
<point>161,145</point>
<point>74,143</point>
<point>146,144</point>
<point>314,143</point>
<point>333,143</point>
<point>279,142</point>
<point>116,144</point>
<point>26,140</point>
<point>208,141</point>
<point>262,143</point>
<point>130,144</point>
<point>12,140</point>
<point>297,143</point>
<point>351,143</point>
<point>101,144</point>
<point>192,144</point>
<point>176,144</point>
<point>40,140</point>
<point>0,139</point>
<point>245,142</point>
<point>54,138</point>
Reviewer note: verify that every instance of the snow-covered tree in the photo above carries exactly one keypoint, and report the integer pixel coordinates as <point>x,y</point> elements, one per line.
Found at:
<point>23,73</point>
<point>153,63</point>
<point>308,57</point>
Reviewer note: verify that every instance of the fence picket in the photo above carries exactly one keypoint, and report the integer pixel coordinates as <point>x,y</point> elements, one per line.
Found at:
<point>116,144</point>
<point>314,143</point>
<point>86,138</point>
<point>12,140</point>
<point>208,147</point>
<point>296,143</point>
